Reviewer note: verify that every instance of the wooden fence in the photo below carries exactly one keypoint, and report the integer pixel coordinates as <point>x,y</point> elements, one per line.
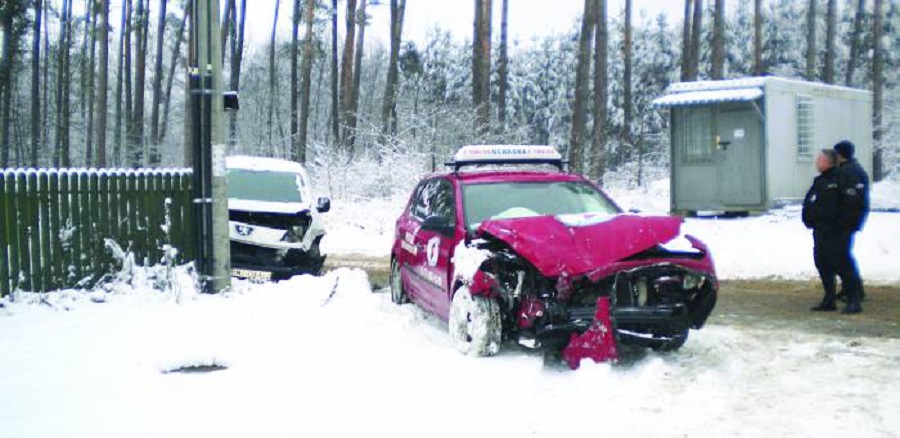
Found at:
<point>54,223</point>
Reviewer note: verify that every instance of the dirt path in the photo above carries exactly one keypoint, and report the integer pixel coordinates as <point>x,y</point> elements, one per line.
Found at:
<point>756,303</point>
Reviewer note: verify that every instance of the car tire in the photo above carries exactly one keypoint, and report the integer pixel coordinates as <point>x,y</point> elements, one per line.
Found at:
<point>398,295</point>
<point>675,341</point>
<point>474,324</point>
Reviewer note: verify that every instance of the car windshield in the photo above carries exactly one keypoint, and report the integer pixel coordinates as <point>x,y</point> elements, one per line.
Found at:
<point>509,200</point>
<point>267,186</point>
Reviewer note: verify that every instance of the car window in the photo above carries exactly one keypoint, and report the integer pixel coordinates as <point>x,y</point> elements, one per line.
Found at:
<point>434,197</point>
<point>523,199</point>
<point>269,186</point>
<point>444,203</point>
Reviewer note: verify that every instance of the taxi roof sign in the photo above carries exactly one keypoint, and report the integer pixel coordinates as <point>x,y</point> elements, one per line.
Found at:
<point>484,154</point>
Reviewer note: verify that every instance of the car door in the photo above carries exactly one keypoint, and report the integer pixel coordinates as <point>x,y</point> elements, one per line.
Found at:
<point>428,264</point>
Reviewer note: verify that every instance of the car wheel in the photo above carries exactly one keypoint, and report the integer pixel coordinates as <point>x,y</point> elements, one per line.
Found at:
<point>475,324</point>
<point>398,295</point>
<point>674,341</point>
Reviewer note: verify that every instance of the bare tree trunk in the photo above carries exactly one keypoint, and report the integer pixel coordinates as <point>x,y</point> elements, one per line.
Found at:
<point>757,38</point>
<point>237,57</point>
<point>92,38</point>
<point>7,63</point>
<point>830,35</point>
<point>137,140</point>
<point>128,144</point>
<point>226,28</point>
<point>389,103</point>
<point>718,60</point>
<point>295,138</point>
<point>306,68</point>
<point>686,42</point>
<point>811,40</point>
<point>45,129</point>
<point>120,74</point>
<point>481,69</point>
<point>176,56</point>
<point>36,83</point>
<point>346,90</point>
<point>878,90</point>
<point>582,89</point>
<point>503,67</point>
<point>854,43</point>
<point>271,110</point>
<point>62,158</point>
<point>157,85</point>
<point>357,74</point>
<point>103,85</point>
<point>335,110</point>
<point>696,27</point>
<point>626,97</point>
<point>597,160</point>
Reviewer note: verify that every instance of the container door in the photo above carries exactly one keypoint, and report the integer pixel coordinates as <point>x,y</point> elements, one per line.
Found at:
<point>739,152</point>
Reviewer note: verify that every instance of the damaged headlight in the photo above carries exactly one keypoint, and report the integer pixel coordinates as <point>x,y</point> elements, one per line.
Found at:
<point>692,281</point>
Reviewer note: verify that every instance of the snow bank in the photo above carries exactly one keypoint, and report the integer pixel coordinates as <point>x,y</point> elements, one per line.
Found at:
<point>363,226</point>
<point>325,357</point>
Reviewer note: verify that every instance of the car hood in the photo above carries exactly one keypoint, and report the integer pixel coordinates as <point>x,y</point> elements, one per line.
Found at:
<point>577,244</point>
<point>267,206</point>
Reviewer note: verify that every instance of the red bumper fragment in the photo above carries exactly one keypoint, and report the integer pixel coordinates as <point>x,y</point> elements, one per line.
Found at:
<point>597,343</point>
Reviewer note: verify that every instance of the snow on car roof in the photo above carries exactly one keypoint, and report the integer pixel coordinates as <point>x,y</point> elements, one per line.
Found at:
<point>263,164</point>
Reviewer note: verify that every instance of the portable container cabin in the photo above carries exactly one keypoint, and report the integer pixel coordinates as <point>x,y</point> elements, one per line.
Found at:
<point>749,144</point>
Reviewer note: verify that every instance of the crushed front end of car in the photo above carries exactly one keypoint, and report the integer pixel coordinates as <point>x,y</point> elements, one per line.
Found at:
<point>588,284</point>
<point>274,245</point>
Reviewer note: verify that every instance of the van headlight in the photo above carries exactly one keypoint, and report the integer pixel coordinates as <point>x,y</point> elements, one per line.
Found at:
<point>692,281</point>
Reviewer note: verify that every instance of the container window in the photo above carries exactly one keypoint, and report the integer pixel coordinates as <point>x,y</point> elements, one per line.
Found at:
<point>696,134</point>
<point>805,126</point>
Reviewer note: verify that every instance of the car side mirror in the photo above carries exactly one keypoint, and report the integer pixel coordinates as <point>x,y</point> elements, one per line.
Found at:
<point>323,205</point>
<point>438,224</point>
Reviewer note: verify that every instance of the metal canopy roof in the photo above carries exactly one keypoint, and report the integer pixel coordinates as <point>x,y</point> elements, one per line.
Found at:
<point>708,96</point>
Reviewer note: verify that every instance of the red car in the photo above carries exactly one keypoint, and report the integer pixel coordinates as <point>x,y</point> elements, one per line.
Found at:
<point>545,259</point>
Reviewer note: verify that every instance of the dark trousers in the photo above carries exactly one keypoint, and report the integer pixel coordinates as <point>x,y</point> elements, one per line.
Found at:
<point>833,257</point>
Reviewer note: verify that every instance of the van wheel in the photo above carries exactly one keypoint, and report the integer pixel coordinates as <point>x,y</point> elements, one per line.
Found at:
<point>675,341</point>
<point>398,295</point>
<point>475,324</point>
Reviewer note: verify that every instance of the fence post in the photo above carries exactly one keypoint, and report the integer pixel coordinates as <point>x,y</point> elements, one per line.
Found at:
<point>66,225</point>
<point>4,247</point>
<point>15,234</point>
<point>44,230</point>
<point>84,228</point>
<point>55,199</point>
<point>33,231</point>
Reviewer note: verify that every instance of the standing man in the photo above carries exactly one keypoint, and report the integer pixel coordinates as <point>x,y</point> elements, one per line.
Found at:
<point>854,183</point>
<point>822,213</point>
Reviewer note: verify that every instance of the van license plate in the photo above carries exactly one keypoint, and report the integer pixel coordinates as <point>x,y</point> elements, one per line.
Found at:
<point>251,274</point>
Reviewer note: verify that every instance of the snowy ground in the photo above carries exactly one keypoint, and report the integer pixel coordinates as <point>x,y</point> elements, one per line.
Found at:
<point>775,245</point>
<point>303,364</point>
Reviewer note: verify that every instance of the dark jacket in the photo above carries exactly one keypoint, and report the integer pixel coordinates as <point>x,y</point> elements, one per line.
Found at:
<point>822,205</point>
<point>854,182</point>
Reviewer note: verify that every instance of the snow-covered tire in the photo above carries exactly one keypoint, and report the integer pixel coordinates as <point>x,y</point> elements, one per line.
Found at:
<point>675,342</point>
<point>398,295</point>
<point>475,324</point>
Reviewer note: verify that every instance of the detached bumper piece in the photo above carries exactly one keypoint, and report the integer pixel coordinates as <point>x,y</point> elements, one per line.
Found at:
<point>598,342</point>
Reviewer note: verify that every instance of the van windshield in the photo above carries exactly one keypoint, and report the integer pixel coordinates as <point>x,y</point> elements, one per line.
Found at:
<point>266,186</point>
<point>510,200</point>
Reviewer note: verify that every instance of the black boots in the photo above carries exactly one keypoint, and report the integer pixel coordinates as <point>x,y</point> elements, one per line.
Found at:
<point>824,306</point>
<point>852,308</point>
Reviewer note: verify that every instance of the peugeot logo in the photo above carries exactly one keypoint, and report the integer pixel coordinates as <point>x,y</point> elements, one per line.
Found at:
<point>243,230</point>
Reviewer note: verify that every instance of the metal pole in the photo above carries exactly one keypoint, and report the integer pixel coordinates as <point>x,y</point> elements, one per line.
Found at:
<point>213,259</point>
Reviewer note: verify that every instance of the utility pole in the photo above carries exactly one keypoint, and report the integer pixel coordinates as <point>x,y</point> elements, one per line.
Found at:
<point>207,141</point>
